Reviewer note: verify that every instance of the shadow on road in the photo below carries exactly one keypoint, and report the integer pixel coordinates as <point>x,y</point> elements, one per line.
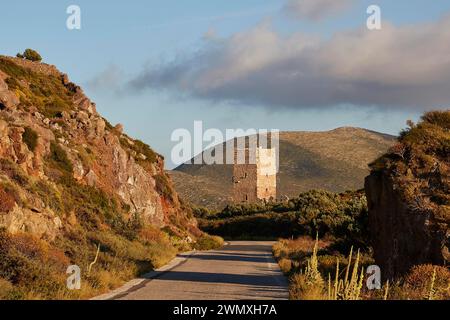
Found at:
<point>217,278</point>
<point>260,258</point>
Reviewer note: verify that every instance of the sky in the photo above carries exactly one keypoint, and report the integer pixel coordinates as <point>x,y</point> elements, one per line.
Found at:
<point>307,65</point>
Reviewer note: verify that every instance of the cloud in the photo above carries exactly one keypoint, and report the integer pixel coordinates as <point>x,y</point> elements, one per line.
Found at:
<point>407,66</point>
<point>111,78</point>
<point>315,10</point>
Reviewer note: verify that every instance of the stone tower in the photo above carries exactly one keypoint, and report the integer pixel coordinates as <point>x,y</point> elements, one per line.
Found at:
<point>256,180</point>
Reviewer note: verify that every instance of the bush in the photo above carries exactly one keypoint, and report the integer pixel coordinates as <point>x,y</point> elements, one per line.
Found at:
<point>285,265</point>
<point>7,201</point>
<point>419,283</point>
<point>207,242</point>
<point>32,55</point>
<point>58,157</point>
<point>30,138</point>
<point>163,186</point>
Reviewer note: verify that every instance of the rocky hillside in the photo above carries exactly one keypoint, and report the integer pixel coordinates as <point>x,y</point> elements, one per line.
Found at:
<point>408,193</point>
<point>335,161</point>
<point>70,181</point>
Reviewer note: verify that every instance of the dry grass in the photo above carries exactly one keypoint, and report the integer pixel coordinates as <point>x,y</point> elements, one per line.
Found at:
<point>316,274</point>
<point>7,201</point>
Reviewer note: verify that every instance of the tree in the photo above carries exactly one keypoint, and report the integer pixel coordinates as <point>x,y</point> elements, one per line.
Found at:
<point>31,55</point>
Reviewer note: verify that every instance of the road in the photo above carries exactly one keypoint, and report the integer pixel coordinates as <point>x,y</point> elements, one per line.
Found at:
<point>240,270</point>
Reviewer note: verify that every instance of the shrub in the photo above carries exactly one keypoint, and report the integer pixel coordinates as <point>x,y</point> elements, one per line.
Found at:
<point>59,159</point>
<point>285,265</point>
<point>30,138</point>
<point>207,242</point>
<point>14,172</point>
<point>6,288</point>
<point>7,201</point>
<point>428,282</point>
<point>163,186</point>
<point>301,289</point>
<point>32,55</point>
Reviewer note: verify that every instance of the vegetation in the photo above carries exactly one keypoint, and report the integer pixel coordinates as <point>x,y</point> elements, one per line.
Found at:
<point>31,55</point>
<point>207,242</point>
<point>143,154</point>
<point>45,92</point>
<point>419,163</point>
<point>342,216</point>
<point>30,138</point>
<point>319,270</point>
<point>7,201</point>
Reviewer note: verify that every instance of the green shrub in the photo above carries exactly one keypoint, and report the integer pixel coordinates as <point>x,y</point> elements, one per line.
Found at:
<point>32,55</point>
<point>58,158</point>
<point>30,138</point>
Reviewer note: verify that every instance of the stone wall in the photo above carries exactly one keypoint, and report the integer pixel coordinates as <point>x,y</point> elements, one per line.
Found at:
<point>254,182</point>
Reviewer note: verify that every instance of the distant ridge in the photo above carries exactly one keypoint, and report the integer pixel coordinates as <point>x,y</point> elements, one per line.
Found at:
<point>334,160</point>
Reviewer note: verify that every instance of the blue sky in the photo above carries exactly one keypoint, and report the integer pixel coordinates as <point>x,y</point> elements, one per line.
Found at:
<point>123,40</point>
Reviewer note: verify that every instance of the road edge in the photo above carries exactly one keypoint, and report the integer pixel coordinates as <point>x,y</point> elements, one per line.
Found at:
<point>127,287</point>
<point>175,262</point>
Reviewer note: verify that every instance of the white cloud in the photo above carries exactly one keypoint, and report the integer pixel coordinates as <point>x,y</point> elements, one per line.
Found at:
<point>406,66</point>
<point>315,9</point>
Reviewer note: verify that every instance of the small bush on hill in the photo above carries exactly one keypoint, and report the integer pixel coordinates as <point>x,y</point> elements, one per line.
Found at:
<point>31,55</point>
<point>7,201</point>
<point>58,158</point>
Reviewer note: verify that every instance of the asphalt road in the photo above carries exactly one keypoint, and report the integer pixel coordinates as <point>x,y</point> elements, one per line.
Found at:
<point>240,270</point>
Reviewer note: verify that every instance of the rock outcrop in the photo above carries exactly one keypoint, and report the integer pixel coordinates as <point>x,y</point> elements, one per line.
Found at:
<point>99,155</point>
<point>408,195</point>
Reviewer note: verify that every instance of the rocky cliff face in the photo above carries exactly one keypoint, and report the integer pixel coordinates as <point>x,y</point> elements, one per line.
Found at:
<point>408,194</point>
<point>50,130</point>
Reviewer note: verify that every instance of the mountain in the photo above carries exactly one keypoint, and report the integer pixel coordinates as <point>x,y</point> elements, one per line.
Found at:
<point>72,184</point>
<point>335,160</point>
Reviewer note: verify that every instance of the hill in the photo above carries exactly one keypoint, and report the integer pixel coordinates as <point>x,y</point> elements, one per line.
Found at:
<point>334,161</point>
<point>74,190</point>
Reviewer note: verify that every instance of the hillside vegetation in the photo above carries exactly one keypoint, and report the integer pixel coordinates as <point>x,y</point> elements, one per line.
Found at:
<point>408,194</point>
<point>339,216</point>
